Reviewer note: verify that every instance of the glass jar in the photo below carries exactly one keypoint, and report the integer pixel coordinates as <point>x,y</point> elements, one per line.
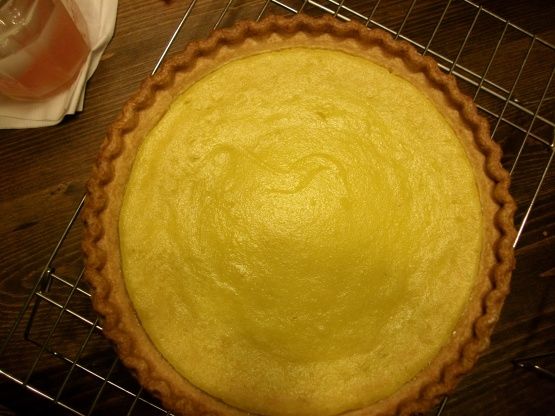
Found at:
<point>41,48</point>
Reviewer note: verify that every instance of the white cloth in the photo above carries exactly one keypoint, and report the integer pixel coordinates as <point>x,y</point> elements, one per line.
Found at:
<point>100,17</point>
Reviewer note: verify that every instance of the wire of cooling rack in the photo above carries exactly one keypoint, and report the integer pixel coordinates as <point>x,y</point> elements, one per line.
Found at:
<point>106,371</point>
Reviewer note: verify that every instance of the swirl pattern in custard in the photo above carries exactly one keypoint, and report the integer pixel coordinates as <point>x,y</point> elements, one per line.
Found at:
<point>298,225</point>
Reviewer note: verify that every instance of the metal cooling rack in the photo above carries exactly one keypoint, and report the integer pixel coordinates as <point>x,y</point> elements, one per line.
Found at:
<point>85,359</point>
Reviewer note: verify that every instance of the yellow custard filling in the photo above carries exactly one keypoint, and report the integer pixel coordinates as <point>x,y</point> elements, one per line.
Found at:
<point>300,232</point>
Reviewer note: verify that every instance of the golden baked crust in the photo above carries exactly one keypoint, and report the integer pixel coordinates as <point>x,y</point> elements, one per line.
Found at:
<point>144,110</point>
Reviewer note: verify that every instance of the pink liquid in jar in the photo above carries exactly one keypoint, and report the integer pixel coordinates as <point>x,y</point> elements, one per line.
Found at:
<point>41,48</point>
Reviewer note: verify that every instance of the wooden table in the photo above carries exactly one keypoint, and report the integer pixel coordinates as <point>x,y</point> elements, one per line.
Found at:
<point>43,172</point>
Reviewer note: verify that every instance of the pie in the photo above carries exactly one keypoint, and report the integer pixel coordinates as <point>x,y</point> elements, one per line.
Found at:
<point>299,217</point>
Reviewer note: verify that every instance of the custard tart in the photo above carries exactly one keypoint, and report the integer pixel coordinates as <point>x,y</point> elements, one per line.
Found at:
<point>299,217</point>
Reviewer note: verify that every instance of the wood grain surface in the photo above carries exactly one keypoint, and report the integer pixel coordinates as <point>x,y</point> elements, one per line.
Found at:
<point>43,172</point>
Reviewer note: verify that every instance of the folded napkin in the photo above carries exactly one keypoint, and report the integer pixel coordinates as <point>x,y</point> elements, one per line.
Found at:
<point>100,17</point>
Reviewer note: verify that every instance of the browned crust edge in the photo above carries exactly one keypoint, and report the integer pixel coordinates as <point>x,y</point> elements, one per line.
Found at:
<point>194,401</point>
